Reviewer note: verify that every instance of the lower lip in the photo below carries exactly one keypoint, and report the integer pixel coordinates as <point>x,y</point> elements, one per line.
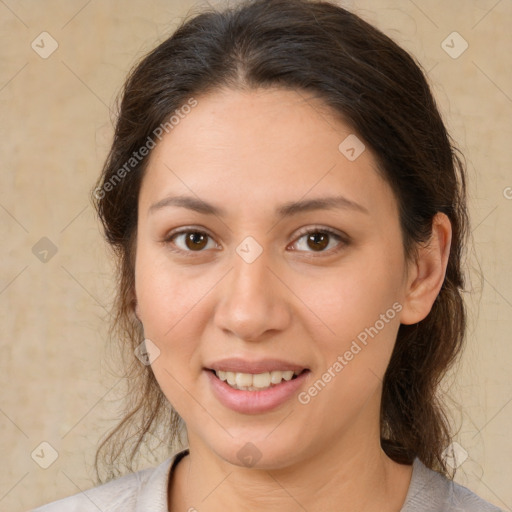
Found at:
<point>255,402</point>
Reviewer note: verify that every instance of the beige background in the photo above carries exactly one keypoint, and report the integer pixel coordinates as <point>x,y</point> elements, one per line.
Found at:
<point>56,383</point>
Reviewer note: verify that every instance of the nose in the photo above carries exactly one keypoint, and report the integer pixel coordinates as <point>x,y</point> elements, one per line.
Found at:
<point>253,300</point>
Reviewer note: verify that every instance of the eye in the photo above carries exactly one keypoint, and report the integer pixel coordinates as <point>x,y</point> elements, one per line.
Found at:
<point>318,239</point>
<point>187,240</point>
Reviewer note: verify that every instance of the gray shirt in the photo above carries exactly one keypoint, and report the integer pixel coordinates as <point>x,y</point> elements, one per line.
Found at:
<point>429,491</point>
<point>146,491</point>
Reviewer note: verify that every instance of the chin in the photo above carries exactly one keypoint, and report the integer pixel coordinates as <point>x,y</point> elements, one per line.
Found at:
<point>258,453</point>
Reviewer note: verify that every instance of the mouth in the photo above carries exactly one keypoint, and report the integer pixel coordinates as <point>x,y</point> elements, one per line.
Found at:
<point>256,381</point>
<point>250,386</point>
<point>255,387</point>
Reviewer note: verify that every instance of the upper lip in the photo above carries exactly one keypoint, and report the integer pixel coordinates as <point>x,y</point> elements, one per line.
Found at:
<point>237,365</point>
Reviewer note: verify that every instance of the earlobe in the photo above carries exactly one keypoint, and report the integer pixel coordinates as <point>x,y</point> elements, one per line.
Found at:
<point>135,306</point>
<point>428,271</point>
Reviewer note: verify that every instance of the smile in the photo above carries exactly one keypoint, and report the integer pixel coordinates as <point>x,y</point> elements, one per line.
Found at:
<point>255,393</point>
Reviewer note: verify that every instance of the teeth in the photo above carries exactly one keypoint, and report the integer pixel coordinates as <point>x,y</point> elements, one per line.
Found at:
<point>261,380</point>
<point>276,376</point>
<point>243,380</point>
<point>254,382</point>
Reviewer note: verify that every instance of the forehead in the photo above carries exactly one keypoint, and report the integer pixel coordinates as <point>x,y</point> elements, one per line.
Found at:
<point>269,146</point>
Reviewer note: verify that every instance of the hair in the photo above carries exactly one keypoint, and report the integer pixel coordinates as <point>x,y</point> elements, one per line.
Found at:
<point>376,87</point>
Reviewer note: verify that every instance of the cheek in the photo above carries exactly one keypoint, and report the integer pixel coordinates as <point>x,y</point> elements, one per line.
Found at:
<point>174,309</point>
<point>169,306</point>
<point>165,296</point>
<point>352,297</point>
<point>359,305</point>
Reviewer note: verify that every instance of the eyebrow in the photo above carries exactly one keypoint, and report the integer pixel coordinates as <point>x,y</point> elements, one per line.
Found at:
<point>284,210</point>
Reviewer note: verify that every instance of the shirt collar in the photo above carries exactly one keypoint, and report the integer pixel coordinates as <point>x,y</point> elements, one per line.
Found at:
<point>153,494</point>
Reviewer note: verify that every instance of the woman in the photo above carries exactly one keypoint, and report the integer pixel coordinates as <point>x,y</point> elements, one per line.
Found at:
<point>289,216</point>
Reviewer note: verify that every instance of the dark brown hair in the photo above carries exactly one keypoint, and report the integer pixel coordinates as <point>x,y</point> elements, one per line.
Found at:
<point>382,93</point>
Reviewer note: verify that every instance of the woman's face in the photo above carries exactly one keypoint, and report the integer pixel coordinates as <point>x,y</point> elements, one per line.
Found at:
<point>228,278</point>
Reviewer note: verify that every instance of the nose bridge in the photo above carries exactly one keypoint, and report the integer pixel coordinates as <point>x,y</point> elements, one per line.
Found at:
<point>251,268</point>
<point>250,301</point>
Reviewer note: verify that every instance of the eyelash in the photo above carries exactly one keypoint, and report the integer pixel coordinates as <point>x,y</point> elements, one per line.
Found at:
<point>317,229</point>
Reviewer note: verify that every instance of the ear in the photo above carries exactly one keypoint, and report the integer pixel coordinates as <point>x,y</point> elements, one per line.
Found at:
<point>426,274</point>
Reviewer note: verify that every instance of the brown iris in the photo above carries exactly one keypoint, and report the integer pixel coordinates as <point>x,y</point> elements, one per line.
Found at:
<point>197,240</point>
<point>321,240</point>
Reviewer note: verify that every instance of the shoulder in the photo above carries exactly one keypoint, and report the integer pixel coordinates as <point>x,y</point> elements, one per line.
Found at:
<point>465,500</point>
<point>143,490</point>
<point>431,491</point>
<point>121,492</point>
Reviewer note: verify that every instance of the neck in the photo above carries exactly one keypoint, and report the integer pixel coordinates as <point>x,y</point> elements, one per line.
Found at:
<point>352,474</point>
